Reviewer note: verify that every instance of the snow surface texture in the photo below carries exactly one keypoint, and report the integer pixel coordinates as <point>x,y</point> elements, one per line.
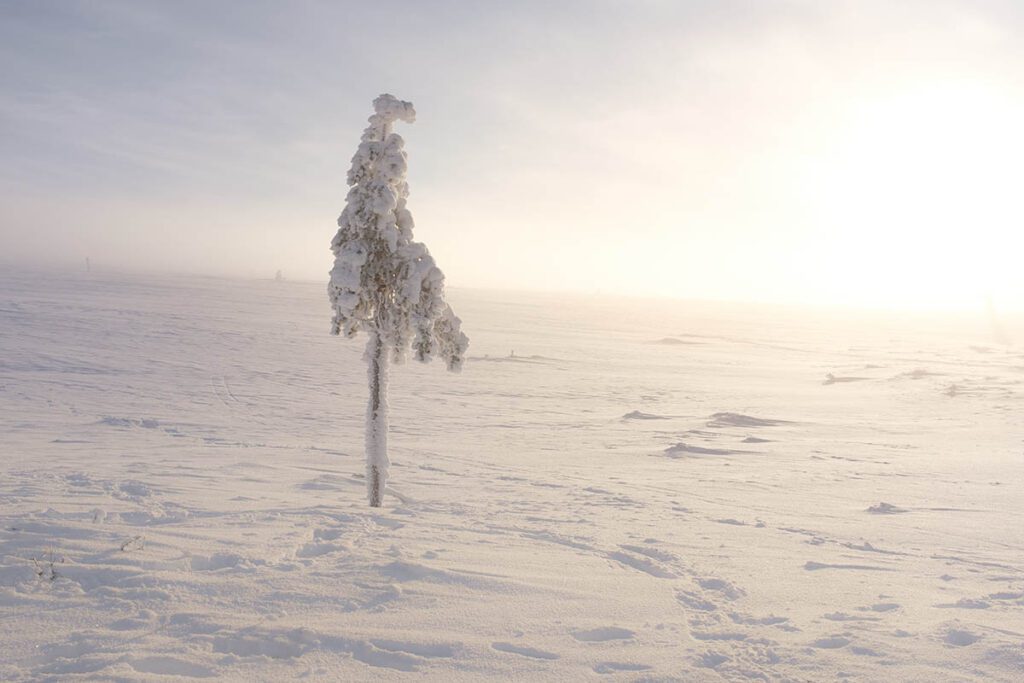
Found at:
<point>385,282</point>
<point>173,501</point>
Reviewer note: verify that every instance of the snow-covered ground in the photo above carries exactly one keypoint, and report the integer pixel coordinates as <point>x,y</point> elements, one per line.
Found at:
<point>644,491</point>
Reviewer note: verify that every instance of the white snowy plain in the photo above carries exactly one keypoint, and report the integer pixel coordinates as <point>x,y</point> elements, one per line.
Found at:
<point>649,491</point>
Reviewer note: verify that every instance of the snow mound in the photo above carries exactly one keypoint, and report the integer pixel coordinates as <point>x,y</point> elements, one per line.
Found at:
<point>683,450</point>
<point>637,415</point>
<point>672,341</point>
<point>885,509</point>
<point>740,420</point>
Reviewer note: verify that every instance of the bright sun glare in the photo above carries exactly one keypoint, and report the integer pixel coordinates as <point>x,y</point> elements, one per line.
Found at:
<point>920,200</point>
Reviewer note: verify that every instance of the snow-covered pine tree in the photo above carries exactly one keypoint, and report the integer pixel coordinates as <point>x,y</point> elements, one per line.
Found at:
<point>385,283</point>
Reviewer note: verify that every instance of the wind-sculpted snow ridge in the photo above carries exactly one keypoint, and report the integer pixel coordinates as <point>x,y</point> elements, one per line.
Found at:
<point>640,415</point>
<point>193,516</point>
<point>738,420</point>
<point>674,341</point>
<point>682,450</point>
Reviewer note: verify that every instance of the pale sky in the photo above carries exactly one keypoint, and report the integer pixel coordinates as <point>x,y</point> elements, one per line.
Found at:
<point>866,153</point>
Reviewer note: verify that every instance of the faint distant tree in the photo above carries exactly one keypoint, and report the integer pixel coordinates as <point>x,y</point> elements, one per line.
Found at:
<point>385,283</point>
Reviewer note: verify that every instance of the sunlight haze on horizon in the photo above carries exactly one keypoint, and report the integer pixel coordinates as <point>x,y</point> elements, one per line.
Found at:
<point>847,153</point>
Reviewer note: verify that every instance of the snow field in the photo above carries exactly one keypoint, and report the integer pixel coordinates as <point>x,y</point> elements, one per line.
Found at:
<point>643,491</point>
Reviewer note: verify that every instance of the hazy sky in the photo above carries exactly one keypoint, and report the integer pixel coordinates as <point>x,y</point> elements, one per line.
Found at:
<point>858,152</point>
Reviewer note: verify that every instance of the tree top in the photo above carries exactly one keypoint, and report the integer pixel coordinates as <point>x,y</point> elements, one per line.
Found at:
<point>389,108</point>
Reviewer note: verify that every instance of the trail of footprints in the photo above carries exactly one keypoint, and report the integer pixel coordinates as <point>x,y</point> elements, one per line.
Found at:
<point>739,644</point>
<point>728,639</point>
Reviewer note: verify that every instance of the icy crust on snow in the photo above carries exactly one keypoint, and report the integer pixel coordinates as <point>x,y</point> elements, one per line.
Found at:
<point>381,277</point>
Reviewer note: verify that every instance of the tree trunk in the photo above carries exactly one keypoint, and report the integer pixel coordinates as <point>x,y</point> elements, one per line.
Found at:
<point>377,420</point>
<point>377,410</point>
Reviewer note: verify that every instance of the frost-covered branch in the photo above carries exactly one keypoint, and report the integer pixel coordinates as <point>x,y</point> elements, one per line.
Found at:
<point>381,277</point>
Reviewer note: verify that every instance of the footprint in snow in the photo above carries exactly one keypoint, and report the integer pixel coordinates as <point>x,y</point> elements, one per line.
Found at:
<point>722,586</point>
<point>315,549</point>
<point>818,566</point>
<point>720,635</point>
<point>170,666</point>
<point>842,616</point>
<point>598,635</point>
<point>695,601</point>
<point>831,643</point>
<point>880,607</point>
<point>533,653</point>
<point>430,650</point>
<point>771,620</point>
<point>654,553</point>
<point>617,667</point>
<point>966,603</point>
<point>959,638</point>
<point>644,564</point>
<point>712,660</point>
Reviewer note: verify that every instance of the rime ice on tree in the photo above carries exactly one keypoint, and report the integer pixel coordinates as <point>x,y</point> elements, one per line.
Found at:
<point>383,281</point>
